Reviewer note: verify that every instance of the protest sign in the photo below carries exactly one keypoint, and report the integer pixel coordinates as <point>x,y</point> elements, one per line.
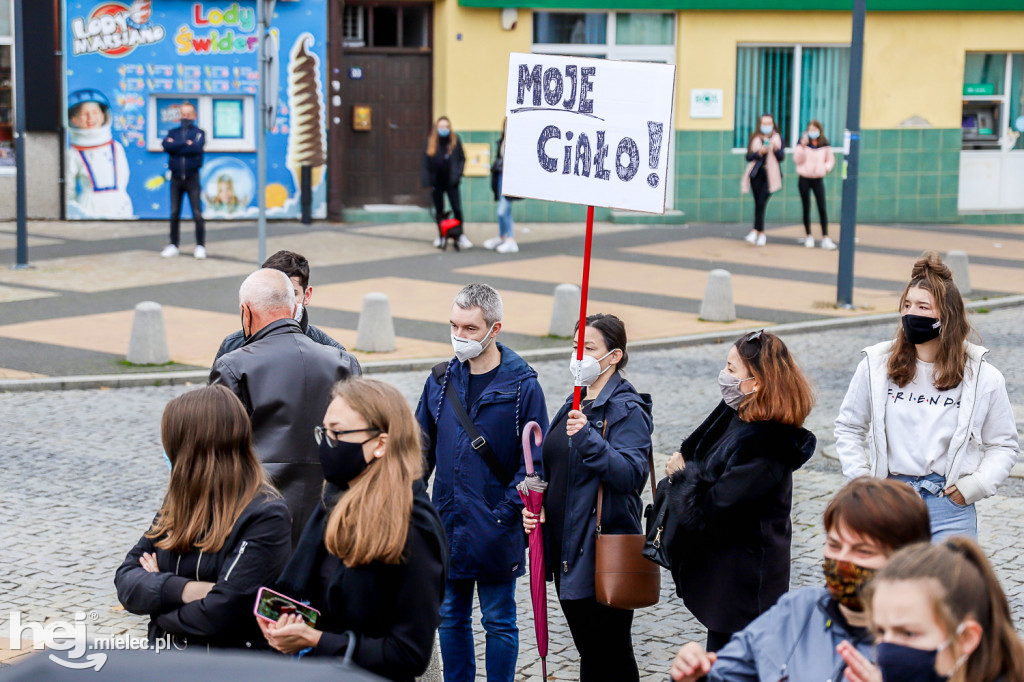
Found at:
<point>589,131</point>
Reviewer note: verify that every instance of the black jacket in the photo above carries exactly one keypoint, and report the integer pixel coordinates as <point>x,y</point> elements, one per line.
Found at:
<point>284,379</point>
<point>732,503</point>
<point>393,610</point>
<point>453,161</point>
<point>184,159</point>
<point>256,550</point>
<point>235,340</point>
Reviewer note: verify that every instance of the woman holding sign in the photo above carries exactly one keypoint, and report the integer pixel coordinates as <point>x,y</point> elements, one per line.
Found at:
<point>763,174</point>
<point>605,445</point>
<point>443,164</point>
<point>373,558</point>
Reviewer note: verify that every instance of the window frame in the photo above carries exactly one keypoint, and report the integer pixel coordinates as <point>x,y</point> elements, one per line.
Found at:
<point>610,48</point>
<point>366,23</point>
<point>1003,99</point>
<point>204,114</point>
<point>794,122</point>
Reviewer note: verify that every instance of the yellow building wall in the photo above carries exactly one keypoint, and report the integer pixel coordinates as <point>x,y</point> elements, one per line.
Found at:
<point>913,62</point>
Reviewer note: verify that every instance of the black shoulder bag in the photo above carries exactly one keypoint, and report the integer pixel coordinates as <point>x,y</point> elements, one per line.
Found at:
<point>478,442</point>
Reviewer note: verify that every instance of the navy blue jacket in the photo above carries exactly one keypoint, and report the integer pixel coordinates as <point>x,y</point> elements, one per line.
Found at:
<point>184,159</point>
<point>482,518</point>
<point>619,460</point>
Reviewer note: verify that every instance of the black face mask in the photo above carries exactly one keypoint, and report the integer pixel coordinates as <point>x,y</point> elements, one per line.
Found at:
<point>343,462</point>
<point>920,329</point>
<point>187,122</point>
<point>902,664</point>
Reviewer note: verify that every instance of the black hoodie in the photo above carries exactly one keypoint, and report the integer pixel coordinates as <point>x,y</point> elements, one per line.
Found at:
<point>731,509</point>
<point>392,610</point>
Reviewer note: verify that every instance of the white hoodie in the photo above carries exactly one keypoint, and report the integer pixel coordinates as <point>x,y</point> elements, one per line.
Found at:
<point>984,446</point>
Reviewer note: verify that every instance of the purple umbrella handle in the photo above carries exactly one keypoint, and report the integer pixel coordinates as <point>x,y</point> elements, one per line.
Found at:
<point>538,436</point>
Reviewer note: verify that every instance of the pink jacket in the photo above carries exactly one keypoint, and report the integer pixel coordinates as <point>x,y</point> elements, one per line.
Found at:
<point>771,165</point>
<point>813,162</point>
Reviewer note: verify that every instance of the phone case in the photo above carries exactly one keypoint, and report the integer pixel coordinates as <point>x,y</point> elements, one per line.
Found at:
<point>267,590</point>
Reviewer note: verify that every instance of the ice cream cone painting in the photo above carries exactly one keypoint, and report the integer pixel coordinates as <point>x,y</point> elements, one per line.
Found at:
<point>307,133</point>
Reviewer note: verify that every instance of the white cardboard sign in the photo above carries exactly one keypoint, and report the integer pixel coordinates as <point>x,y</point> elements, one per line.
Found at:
<point>588,131</point>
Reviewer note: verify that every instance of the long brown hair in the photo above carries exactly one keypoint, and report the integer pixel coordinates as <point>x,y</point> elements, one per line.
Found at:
<point>968,588</point>
<point>822,141</point>
<point>214,475</point>
<point>435,140</point>
<point>757,129</point>
<point>934,276</point>
<point>370,522</point>
<point>784,395</point>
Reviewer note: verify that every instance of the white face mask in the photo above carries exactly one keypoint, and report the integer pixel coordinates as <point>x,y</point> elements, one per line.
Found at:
<point>467,349</point>
<point>298,312</point>
<point>587,371</point>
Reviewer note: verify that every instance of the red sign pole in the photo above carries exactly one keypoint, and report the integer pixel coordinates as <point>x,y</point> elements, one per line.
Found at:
<point>578,390</point>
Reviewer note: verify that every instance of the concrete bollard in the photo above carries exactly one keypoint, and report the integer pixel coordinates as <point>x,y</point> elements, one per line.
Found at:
<point>376,330</point>
<point>718,304</point>
<point>565,312</point>
<point>957,262</point>
<point>148,343</point>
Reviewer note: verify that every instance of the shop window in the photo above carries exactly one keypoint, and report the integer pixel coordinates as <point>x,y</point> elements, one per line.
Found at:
<point>229,122</point>
<point>386,26</point>
<point>993,101</point>
<point>6,107</point>
<point>5,18</point>
<point>638,36</point>
<point>767,79</point>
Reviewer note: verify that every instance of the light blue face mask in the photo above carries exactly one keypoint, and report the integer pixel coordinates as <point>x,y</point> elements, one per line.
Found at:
<point>167,459</point>
<point>444,132</point>
<point>813,134</point>
<point>767,130</point>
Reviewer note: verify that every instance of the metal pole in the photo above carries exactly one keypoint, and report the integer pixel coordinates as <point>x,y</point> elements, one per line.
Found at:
<point>848,219</point>
<point>262,22</point>
<point>20,151</point>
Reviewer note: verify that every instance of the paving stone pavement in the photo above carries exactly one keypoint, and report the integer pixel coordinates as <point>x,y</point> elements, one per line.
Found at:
<point>82,475</point>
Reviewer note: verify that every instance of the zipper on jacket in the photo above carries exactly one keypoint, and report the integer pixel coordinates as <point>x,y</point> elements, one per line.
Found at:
<point>970,422</point>
<point>241,551</point>
<point>565,567</point>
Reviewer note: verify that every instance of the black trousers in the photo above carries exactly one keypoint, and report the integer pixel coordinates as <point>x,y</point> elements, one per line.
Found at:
<point>604,640</point>
<point>717,640</point>
<point>817,185</point>
<point>759,188</point>
<point>188,185</point>
<point>453,199</point>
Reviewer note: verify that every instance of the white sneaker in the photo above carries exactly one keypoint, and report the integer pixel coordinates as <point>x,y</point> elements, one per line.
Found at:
<point>492,243</point>
<point>200,252</point>
<point>809,242</point>
<point>828,244</point>
<point>751,237</point>
<point>464,242</point>
<point>170,251</point>
<point>437,242</point>
<point>508,246</point>
<point>762,239</point>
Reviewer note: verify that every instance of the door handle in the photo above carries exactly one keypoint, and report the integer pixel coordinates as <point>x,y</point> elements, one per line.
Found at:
<point>393,126</point>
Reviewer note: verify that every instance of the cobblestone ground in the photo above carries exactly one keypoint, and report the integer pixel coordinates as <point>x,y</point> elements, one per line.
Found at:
<point>82,475</point>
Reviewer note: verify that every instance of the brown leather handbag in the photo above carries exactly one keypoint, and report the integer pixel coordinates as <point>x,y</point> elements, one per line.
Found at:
<point>623,577</point>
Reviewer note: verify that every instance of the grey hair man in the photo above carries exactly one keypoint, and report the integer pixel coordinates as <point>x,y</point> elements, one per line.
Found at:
<point>284,379</point>
<point>472,412</point>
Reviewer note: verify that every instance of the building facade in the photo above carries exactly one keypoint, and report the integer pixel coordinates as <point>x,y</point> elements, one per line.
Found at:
<point>941,121</point>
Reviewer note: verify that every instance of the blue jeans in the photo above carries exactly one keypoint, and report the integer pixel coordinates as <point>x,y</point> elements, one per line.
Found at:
<point>498,608</point>
<point>506,228</point>
<point>947,517</point>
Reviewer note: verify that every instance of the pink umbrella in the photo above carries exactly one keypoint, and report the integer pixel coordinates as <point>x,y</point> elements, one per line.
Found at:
<point>531,490</point>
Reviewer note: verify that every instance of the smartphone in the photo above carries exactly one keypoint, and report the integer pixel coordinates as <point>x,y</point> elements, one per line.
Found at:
<point>270,606</point>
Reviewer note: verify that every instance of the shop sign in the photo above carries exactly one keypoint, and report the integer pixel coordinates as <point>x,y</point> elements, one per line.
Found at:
<point>706,103</point>
<point>979,88</point>
<point>588,131</point>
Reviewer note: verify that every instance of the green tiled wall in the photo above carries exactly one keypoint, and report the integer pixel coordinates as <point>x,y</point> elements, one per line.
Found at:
<point>908,175</point>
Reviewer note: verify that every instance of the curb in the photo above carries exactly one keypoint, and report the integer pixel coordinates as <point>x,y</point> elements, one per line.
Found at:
<point>69,383</point>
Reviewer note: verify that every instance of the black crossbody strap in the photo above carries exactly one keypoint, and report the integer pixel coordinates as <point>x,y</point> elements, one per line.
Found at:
<point>478,442</point>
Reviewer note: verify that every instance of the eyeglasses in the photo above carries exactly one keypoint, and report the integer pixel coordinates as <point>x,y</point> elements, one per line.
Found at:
<point>332,436</point>
<point>753,338</point>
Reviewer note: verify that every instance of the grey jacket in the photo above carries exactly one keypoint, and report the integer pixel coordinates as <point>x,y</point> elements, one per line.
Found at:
<point>284,379</point>
<point>795,640</point>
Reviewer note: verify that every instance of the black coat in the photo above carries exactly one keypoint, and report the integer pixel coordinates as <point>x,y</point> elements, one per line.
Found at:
<point>392,610</point>
<point>253,555</point>
<point>732,503</point>
<point>236,340</point>
<point>284,379</point>
<point>453,165</point>
<point>184,159</point>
